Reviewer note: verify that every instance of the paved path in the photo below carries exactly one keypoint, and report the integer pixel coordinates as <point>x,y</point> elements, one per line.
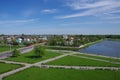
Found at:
<point>14,71</point>
<point>78,67</point>
<point>96,59</point>
<point>13,62</point>
<point>28,65</point>
<point>52,59</point>
<point>40,64</point>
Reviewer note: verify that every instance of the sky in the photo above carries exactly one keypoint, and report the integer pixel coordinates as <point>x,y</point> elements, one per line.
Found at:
<point>60,17</point>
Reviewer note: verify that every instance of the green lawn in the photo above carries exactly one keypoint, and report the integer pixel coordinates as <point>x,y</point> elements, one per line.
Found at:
<point>7,48</point>
<point>35,73</point>
<point>29,57</point>
<point>76,61</point>
<point>7,67</point>
<point>99,57</point>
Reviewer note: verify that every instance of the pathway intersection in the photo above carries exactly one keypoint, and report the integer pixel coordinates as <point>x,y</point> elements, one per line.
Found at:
<point>41,64</point>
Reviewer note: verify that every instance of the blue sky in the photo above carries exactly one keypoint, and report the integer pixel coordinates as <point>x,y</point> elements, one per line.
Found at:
<point>60,16</point>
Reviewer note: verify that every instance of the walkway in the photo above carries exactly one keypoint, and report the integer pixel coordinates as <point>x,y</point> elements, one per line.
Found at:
<point>78,67</point>
<point>41,64</point>
<point>52,59</point>
<point>96,59</point>
<point>14,71</point>
<point>13,62</point>
<point>28,65</point>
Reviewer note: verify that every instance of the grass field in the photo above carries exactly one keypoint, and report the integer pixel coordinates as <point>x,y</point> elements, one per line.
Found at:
<point>7,48</point>
<point>100,57</point>
<point>7,67</point>
<point>35,73</point>
<point>76,61</point>
<point>29,57</point>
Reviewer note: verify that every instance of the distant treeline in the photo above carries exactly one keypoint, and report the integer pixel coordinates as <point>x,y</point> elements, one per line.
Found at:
<point>77,40</point>
<point>100,36</point>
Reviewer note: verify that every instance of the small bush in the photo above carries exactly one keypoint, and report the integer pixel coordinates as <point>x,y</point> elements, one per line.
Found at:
<point>15,53</point>
<point>39,51</point>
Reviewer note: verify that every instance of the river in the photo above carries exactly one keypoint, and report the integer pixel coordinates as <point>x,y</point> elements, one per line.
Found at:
<point>106,48</point>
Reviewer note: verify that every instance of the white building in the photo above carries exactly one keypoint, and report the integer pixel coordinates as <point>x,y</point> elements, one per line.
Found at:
<point>65,37</point>
<point>19,40</point>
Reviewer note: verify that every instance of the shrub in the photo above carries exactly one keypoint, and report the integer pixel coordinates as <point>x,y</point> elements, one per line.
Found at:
<point>15,53</point>
<point>39,51</point>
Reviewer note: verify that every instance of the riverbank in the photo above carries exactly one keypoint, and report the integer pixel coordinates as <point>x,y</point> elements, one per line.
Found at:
<point>102,56</point>
<point>115,40</point>
<point>88,44</point>
<point>72,48</point>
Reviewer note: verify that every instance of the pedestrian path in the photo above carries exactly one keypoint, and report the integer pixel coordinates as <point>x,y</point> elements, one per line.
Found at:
<point>26,65</point>
<point>96,59</point>
<point>14,71</point>
<point>13,62</point>
<point>78,67</point>
<point>41,64</point>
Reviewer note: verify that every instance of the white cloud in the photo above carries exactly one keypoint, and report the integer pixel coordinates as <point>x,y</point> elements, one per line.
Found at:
<point>86,13</point>
<point>92,8</point>
<point>17,21</point>
<point>49,11</point>
<point>103,3</point>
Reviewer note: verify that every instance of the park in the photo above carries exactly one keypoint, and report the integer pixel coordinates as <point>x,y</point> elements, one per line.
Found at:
<point>58,64</point>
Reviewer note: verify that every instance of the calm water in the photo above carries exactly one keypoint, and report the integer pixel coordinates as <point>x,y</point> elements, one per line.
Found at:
<point>107,48</point>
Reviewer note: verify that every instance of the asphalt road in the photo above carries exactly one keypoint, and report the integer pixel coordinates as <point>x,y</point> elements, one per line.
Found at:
<point>9,53</point>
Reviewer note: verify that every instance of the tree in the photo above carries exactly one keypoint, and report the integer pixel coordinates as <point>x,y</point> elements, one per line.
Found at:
<point>76,43</point>
<point>52,42</point>
<point>5,40</point>
<point>39,51</point>
<point>15,53</point>
<point>14,43</point>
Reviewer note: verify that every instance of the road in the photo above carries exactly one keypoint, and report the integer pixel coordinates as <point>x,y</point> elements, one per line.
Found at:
<point>9,53</point>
